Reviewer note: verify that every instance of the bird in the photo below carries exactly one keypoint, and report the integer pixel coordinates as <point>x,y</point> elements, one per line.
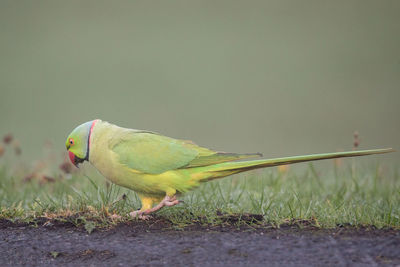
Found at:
<point>160,168</point>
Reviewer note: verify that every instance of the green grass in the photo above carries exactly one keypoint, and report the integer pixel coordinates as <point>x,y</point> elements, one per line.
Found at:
<point>323,196</point>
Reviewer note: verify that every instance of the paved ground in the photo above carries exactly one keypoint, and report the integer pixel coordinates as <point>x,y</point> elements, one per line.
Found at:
<point>139,244</point>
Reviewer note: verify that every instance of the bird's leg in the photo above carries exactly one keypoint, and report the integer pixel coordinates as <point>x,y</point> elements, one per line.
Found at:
<point>147,203</point>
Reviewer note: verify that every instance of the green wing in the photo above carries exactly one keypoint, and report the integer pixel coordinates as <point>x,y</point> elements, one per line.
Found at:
<point>152,153</point>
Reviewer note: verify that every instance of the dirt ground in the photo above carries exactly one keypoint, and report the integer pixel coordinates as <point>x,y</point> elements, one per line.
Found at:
<point>156,243</point>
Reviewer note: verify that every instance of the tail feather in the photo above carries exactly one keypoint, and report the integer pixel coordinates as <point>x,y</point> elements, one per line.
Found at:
<point>229,168</point>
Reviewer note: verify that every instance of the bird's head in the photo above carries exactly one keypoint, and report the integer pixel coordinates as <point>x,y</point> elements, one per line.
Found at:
<point>78,142</point>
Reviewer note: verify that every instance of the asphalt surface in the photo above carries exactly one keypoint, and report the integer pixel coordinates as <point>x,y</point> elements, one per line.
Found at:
<point>147,244</point>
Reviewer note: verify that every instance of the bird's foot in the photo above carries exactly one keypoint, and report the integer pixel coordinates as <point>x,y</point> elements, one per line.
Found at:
<point>166,202</point>
<point>144,214</point>
<point>139,214</point>
<point>170,201</point>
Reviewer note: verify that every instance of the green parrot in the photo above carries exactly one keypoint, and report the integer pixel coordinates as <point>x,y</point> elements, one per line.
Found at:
<point>158,168</point>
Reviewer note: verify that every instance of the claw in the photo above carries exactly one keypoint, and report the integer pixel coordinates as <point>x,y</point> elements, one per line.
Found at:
<point>171,203</point>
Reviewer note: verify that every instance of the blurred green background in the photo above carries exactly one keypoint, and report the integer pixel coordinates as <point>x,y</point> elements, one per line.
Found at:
<point>277,77</point>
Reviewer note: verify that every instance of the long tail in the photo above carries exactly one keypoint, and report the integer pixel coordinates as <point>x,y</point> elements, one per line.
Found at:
<point>228,168</point>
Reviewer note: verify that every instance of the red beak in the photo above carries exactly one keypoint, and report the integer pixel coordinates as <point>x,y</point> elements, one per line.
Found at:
<point>72,157</point>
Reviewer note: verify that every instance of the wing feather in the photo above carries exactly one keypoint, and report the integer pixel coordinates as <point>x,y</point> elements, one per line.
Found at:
<point>153,153</point>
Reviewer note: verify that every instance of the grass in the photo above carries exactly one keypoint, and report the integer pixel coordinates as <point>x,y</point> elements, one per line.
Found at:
<point>325,196</point>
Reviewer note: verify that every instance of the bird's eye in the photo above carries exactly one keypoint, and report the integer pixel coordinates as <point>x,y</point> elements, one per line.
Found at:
<point>71,141</point>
